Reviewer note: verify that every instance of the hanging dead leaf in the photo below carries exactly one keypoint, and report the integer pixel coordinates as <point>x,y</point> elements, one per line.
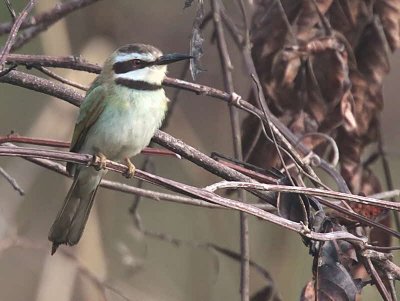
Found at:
<point>389,13</point>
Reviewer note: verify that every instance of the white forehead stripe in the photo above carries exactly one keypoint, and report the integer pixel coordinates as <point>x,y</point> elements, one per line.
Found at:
<point>122,57</point>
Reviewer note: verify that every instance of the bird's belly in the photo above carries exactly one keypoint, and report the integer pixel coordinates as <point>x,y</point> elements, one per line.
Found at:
<point>126,127</point>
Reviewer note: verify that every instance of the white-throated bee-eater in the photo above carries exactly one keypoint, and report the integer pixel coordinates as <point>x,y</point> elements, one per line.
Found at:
<point>121,111</point>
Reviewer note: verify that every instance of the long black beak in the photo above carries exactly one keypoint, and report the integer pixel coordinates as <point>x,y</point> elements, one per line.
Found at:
<point>172,58</point>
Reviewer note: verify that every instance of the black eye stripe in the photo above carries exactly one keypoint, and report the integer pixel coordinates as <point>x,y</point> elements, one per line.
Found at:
<point>126,66</point>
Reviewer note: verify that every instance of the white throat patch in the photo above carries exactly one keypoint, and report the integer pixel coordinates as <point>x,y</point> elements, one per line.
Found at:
<point>152,74</point>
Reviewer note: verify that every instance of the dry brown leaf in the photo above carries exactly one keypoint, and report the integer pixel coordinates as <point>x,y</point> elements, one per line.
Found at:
<point>389,13</point>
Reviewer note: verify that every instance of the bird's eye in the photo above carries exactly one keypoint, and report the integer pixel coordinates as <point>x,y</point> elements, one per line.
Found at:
<point>136,62</point>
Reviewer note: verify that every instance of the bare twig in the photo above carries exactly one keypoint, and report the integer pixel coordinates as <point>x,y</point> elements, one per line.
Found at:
<point>362,220</point>
<point>384,262</point>
<point>335,149</point>
<point>227,67</point>
<point>392,289</point>
<point>291,34</point>
<point>49,17</point>
<point>377,279</point>
<point>378,248</point>
<point>154,195</point>
<point>308,191</point>
<point>204,161</point>
<point>38,24</point>
<point>73,97</point>
<point>28,81</point>
<point>42,85</point>
<point>387,194</point>
<point>14,31</point>
<point>69,62</point>
<point>203,194</point>
<point>61,79</point>
<point>5,71</point>
<point>286,137</point>
<point>245,21</point>
<point>57,143</point>
<point>58,90</point>
<point>36,141</point>
<point>194,195</point>
<point>11,10</point>
<point>13,182</point>
<point>251,173</point>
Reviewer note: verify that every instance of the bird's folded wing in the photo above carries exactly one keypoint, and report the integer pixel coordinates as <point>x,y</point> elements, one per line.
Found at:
<point>89,113</point>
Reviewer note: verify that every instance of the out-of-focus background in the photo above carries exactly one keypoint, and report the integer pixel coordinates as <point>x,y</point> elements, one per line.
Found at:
<point>112,249</point>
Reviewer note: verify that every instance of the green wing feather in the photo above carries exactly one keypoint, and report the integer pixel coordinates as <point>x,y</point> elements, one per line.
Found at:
<point>91,108</point>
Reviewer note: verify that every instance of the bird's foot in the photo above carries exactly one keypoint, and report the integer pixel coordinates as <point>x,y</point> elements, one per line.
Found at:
<point>131,169</point>
<point>99,161</point>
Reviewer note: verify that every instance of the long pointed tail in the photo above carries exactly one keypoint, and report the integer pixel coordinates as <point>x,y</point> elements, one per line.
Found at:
<point>71,219</point>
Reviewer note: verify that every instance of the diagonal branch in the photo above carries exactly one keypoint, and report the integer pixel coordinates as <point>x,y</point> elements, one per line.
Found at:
<point>154,195</point>
<point>62,92</point>
<point>179,147</point>
<point>14,31</point>
<point>14,184</point>
<point>49,17</point>
<point>308,191</point>
<point>89,160</point>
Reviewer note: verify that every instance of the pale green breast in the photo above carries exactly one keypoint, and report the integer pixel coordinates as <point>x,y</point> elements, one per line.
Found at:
<point>128,122</point>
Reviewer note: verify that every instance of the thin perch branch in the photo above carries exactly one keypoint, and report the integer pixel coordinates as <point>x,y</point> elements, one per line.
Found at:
<point>154,195</point>
<point>89,160</point>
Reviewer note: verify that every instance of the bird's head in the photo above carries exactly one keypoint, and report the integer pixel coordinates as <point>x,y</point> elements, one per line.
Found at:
<point>141,63</point>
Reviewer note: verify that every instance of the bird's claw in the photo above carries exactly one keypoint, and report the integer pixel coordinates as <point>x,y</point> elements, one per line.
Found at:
<point>131,169</point>
<point>100,161</point>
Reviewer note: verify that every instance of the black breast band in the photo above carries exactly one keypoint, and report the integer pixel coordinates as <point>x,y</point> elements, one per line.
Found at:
<point>137,84</point>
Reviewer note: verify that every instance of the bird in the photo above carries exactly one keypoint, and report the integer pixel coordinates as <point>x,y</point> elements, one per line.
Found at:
<point>119,115</point>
